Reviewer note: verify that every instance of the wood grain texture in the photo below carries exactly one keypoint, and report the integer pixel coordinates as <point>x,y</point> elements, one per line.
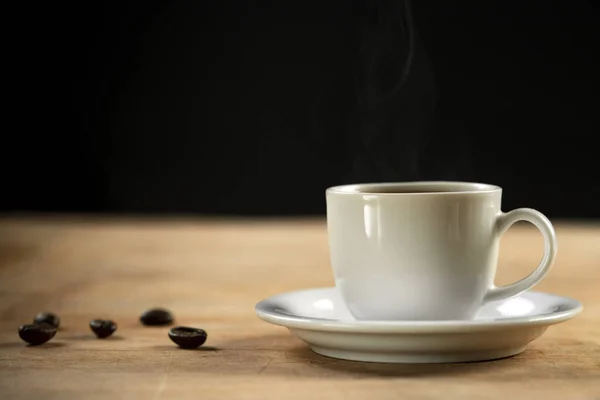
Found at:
<point>211,273</point>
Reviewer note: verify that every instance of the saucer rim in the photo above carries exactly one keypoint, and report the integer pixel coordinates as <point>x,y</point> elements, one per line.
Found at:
<point>265,312</point>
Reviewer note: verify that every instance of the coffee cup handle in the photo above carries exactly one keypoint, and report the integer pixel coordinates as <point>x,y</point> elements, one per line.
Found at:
<point>503,222</point>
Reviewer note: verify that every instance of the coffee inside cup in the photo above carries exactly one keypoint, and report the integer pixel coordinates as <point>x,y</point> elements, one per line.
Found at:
<point>415,188</point>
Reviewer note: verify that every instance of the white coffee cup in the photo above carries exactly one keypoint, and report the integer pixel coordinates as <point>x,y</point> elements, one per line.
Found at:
<point>423,250</point>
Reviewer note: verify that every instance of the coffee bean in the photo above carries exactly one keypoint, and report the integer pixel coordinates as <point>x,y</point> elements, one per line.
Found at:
<point>157,317</point>
<point>103,328</point>
<point>47,318</point>
<point>186,337</point>
<point>36,334</point>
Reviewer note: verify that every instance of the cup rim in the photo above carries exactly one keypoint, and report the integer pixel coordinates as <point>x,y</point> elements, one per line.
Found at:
<point>452,188</point>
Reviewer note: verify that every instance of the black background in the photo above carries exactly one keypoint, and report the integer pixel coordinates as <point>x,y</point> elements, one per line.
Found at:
<point>237,107</point>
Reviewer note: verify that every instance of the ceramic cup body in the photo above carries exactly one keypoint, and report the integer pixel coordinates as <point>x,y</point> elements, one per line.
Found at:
<point>422,250</point>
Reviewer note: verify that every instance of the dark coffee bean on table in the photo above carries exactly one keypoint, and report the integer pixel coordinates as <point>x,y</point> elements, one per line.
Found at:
<point>36,334</point>
<point>186,337</point>
<point>48,318</point>
<point>157,317</point>
<point>103,328</point>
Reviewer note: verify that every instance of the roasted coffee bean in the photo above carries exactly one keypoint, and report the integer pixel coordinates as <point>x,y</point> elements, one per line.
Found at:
<point>36,334</point>
<point>157,317</point>
<point>186,337</point>
<point>47,318</point>
<point>103,328</point>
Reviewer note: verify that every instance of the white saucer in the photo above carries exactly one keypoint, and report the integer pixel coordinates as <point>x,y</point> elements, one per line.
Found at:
<point>500,329</point>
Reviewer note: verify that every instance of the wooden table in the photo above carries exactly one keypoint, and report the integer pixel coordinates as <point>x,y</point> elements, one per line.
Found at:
<point>211,273</point>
